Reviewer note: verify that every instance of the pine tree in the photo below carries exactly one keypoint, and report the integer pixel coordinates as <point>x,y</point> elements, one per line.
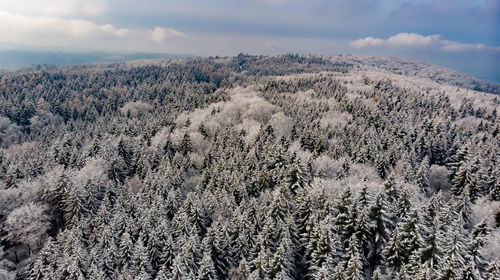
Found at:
<point>46,262</point>
<point>473,190</point>
<point>195,211</point>
<point>282,262</point>
<point>154,249</point>
<point>163,273</point>
<point>325,272</point>
<point>354,268</point>
<point>298,177</point>
<point>458,159</point>
<point>391,190</point>
<point>465,177</point>
<point>344,220</point>
<point>470,272</point>
<point>168,254</point>
<point>362,231</point>
<point>320,245</point>
<point>379,225</point>
<point>394,252</point>
<point>74,271</point>
<point>414,265</point>
<point>411,238</point>
<point>344,169</point>
<point>432,248</point>
<point>110,259</point>
<point>364,198</point>
<point>339,272</point>
<point>118,169</point>
<point>126,154</point>
<point>477,241</point>
<point>463,207</point>
<point>10,181</point>
<point>180,269</point>
<point>73,208</point>
<point>493,270</point>
<point>62,189</point>
<point>261,265</point>
<point>450,269</point>
<point>377,274</point>
<point>207,269</point>
<point>425,274</point>
<point>304,210</point>
<point>186,146</point>
<point>141,259</point>
<point>403,204</point>
<point>96,273</point>
<point>171,204</point>
<point>143,274</point>
<point>126,248</point>
<point>432,209</point>
<point>494,185</point>
<point>90,199</point>
<point>241,243</point>
<point>422,176</point>
<point>217,247</point>
<point>242,271</point>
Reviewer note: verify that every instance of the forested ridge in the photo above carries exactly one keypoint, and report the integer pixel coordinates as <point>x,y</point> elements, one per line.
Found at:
<point>247,167</point>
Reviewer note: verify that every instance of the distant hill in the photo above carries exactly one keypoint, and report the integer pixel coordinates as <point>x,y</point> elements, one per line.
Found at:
<point>415,69</point>
<point>16,59</point>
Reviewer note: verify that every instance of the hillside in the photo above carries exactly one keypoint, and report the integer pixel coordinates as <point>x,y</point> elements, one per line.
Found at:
<point>249,167</point>
<point>414,69</point>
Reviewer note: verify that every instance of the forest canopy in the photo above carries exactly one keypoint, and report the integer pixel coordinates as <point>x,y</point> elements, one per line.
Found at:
<point>249,167</point>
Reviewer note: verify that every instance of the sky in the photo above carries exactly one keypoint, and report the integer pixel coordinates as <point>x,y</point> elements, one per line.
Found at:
<point>460,34</point>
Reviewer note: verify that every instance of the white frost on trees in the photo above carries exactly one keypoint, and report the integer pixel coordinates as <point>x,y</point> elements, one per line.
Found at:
<point>135,108</point>
<point>27,224</point>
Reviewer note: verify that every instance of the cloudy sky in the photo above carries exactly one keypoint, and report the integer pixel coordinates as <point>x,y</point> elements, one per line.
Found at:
<point>461,34</point>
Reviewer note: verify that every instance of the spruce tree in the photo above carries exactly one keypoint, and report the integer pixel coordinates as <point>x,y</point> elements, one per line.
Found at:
<point>380,224</point>
<point>477,241</point>
<point>140,258</point>
<point>422,176</point>
<point>393,252</point>
<point>493,184</point>
<point>432,250</point>
<point>354,267</point>
<point>73,208</point>
<point>186,146</point>
<point>411,238</point>
<point>321,245</point>
<point>207,269</point>
<point>493,270</point>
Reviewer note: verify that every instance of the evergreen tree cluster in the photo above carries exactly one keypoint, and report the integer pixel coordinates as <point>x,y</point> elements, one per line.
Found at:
<point>100,179</point>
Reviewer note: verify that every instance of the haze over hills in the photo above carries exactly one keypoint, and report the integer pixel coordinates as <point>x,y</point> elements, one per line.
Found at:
<point>16,59</point>
<point>417,70</point>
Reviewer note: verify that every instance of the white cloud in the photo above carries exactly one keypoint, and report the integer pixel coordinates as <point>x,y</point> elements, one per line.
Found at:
<point>368,41</point>
<point>80,34</point>
<point>451,46</point>
<point>396,41</point>
<point>15,27</point>
<point>160,35</point>
<point>59,8</point>
<point>413,40</point>
<point>121,32</point>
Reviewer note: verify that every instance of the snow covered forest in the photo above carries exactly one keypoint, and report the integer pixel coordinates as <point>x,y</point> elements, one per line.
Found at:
<point>249,167</point>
